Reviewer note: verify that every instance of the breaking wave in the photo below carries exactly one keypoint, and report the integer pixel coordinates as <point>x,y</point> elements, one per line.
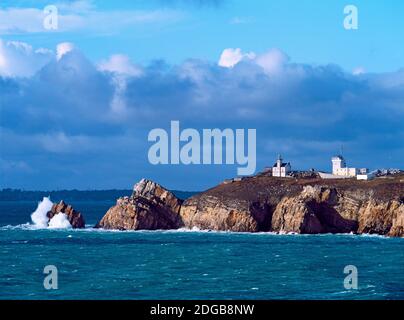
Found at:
<point>41,220</point>
<point>59,221</point>
<point>39,216</point>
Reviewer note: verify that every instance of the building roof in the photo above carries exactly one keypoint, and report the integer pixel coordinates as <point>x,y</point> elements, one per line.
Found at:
<point>338,157</point>
<point>282,164</point>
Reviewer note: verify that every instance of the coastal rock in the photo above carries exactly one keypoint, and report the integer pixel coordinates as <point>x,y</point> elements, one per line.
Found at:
<point>240,206</point>
<point>306,206</point>
<point>150,207</point>
<point>263,204</point>
<point>397,228</point>
<point>75,218</point>
<point>313,211</point>
<point>209,213</point>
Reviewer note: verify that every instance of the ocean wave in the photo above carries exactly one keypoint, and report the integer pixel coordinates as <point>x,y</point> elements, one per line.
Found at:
<point>90,228</point>
<point>39,217</point>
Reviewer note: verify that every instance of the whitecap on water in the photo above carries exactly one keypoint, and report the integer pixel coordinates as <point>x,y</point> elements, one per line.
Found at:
<point>59,221</point>
<point>39,216</point>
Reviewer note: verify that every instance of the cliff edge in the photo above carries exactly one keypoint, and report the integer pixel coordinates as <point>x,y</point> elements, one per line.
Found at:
<point>150,207</point>
<point>269,204</point>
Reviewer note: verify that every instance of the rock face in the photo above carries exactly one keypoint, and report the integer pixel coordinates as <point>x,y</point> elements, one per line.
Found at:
<point>237,215</point>
<point>314,210</point>
<point>150,207</point>
<point>75,218</point>
<point>262,204</point>
<point>241,206</point>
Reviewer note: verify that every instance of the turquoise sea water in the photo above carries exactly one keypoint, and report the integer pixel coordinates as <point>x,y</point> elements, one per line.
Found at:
<point>95,264</point>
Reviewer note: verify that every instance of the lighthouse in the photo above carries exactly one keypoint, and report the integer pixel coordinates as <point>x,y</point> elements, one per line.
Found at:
<point>280,169</point>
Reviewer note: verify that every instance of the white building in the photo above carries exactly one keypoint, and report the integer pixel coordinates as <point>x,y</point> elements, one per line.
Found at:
<point>365,176</point>
<point>280,168</point>
<point>339,167</point>
<point>341,171</point>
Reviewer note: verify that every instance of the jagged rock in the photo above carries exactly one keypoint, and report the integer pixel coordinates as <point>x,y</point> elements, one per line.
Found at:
<point>213,214</point>
<point>300,206</point>
<point>313,211</point>
<point>262,203</point>
<point>236,206</point>
<point>397,228</point>
<point>75,218</point>
<point>294,215</point>
<point>150,207</point>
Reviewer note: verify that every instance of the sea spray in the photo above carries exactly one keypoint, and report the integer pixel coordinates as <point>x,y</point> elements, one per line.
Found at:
<point>59,221</point>
<point>39,216</point>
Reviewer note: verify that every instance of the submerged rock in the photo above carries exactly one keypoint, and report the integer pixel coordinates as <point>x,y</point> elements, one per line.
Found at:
<point>150,207</point>
<point>74,217</point>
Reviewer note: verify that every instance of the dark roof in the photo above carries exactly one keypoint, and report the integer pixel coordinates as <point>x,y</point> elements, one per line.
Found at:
<point>282,164</point>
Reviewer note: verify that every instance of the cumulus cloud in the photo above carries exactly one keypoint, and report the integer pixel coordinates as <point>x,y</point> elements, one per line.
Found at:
<point>19,59</point>
<point>121,68</point>
<point>63,48</point>
<point>120,64</point>
<point>271,61</point>
<point>230,57</point>
<point>60,121</point>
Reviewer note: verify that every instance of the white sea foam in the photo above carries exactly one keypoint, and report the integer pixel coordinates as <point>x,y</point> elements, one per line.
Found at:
<point>39,217</point>
<point>41,221</point>
<point>59,221</point>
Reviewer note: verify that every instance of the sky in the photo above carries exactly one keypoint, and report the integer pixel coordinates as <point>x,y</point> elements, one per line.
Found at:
<point>77,103</point>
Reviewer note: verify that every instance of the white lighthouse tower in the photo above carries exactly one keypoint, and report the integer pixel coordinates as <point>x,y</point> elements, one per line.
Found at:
<point>338,162</point>
<point>339,167</point>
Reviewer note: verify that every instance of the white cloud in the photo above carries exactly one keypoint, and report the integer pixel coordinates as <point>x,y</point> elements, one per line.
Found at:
<point>18,59</point>
<point>63,48</point>
<point>31,20</point>
<point>66,111</point>
<point>120,64</point>
<point>272,61</point>
<point>18,20</point>
<point>79,15</point>
<point>230,57</point>
<point>358,71</point>
<point>122,68</point>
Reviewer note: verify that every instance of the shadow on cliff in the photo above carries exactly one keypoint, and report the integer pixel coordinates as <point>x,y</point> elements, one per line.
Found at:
<point>331,221</point>
<point>262,213</point>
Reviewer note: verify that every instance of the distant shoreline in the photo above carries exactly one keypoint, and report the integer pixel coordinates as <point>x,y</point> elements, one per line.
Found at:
<point>75,195</point>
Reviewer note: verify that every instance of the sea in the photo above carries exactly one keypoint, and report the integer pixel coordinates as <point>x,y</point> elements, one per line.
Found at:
<point>189,264</point>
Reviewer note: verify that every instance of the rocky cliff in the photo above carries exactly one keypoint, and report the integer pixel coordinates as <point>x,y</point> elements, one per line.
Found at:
<point>262,204</point>
<point>150,207</point>
<point>75,218</point>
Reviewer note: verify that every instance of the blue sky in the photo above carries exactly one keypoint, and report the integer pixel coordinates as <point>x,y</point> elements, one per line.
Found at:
<point>77,103</point>
<point>309,31</point>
